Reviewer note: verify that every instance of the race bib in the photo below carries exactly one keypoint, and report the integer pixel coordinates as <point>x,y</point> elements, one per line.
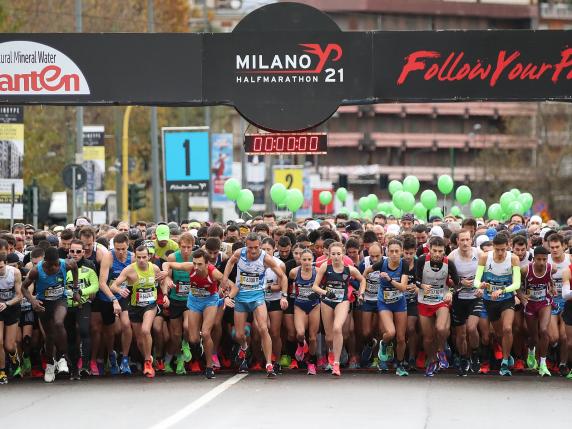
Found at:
<point>537,294</point>
<point>199,292</point>
<point>435,294</point>
<point>6,294</point>
<point>183,288</point>
<point>558,284</point>
<point>145,298</point>
<point>249,281</point>
<point>304,292</point>
<point>339,294</point>
<point>391,295</point>
<point>52,294</point>
<point>371,289</point>
<point>25,305</point>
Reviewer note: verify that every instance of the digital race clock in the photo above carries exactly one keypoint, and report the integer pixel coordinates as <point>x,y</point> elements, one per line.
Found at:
<point>284,144</point>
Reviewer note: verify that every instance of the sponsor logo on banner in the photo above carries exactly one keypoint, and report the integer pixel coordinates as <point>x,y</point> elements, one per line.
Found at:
<point>30,68</point>
<point>307,65</point>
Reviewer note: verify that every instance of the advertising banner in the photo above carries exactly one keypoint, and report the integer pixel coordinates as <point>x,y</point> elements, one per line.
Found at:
<point>94,159</point>
<point>221,164</point>
<point>11,160</point>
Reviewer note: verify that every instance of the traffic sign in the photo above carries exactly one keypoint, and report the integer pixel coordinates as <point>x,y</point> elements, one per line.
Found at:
<point>80,176</point>
<point>292,177</point>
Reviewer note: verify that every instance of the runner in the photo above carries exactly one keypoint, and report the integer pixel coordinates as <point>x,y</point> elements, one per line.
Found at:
<point>141,276</point>
<point>306,310</point>
<point>335,304</point>
<point>391,304</point>
<point>498,273</point>
<point>49,277</point>
<point>203,302</point>
<point>251,264</point>
<point>10,298</point>
<point>432,272</point>
<point>409,249</point>
<point>567,313</point>
<point>467,304</point>
<point>537,299</point>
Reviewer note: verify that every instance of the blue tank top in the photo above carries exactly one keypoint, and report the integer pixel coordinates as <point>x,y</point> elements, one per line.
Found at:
<point>116,267</point>
<point>304,287</point>
<point>51,287</point>
<point>388,293</point>
<point>337,283</point>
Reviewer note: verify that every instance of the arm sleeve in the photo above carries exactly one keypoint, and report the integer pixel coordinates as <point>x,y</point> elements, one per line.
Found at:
<point>566,292</point>
<point>479,276</point>
<point>93,284</point>
<point>515,279</point>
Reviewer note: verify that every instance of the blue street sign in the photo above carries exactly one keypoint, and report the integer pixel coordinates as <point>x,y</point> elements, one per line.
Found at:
<point>186,154</point>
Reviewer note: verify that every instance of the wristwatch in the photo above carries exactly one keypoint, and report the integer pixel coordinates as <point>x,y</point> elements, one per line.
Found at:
<point>284,295</point>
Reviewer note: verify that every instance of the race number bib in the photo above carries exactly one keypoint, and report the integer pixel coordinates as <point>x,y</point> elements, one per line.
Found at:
<point>199,292</point>
<point>145,297</point>
<point>249,281</point>
<point>339,294</point>
<point>52,294</point>
<point>6,294</point>
<point>183,288</point>
<point>537,294</point>
<point>391,295</point>
<point>435,294</point>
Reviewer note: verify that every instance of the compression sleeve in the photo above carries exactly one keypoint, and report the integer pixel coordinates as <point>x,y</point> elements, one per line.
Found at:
<point>566,292</point>
<point>515,280</point>
<point>479,276</point>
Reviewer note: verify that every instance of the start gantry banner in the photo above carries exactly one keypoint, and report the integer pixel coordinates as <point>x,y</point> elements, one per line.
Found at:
<point>285,67</point>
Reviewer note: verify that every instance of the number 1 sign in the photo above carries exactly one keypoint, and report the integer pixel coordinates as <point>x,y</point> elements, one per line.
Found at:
<point>186,159</point>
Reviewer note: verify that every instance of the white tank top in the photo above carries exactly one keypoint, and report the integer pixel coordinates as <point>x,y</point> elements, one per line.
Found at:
<point>466,268</point>
<point>250,274</point>
<point>271,279</point>
<point>7,289</point>
<point>557,277</point>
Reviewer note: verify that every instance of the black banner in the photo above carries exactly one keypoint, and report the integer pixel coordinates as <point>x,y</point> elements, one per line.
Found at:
<point>286,67</point>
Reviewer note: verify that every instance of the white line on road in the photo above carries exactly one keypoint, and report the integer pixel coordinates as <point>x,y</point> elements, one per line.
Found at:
<point>198,403</point>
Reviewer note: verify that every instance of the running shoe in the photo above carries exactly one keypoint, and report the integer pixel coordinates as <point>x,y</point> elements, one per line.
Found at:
<point>3,378</point>
<point>420,362</point>
<point>569,376</point>
<point>442,358</point>
<point>504,370</point>
<point>412,365</point>
<point>226,362</point>
<point>84,372</point>
<point>216,362</point>
<point>463,369</point>
<point>243,368</point>
<point>311,369</point>
<point>497,349</point>
<point>148,370</point>
<point>26,366</point>
<point>293,364</point>
<point>431,368</point>
<point>382,367</point>
<point>113,367</point>
<point>563,370</point>
<point>270,371</point>
<point>331,358</point>
<point>74,374</point>
<point>50,373</point>
<point>186,350</point>
<point>375,363</point>
<point>16,369</point>
<point>383,354</point>
<point>336,369</point>
<point>485,368</point>
<point>367,353</point>
<point>285,361</point>
<point>277,368</point>
<point>169,367</point>
<point>180,370</point>
<point>390,351</point>
<point>519,365</point>
<point>124,368</point>
<point>531,362</point>
<point>62,366</point>
<point>256,366</point>
<point>160,365</point>
<point>195,367</point>
<point>209,373</point>
<point>510,361</point>
<point>353,363</point>
<point>401,371</point>
<point>543,370</point>
<point>475,363</point>
<point>300,351</point>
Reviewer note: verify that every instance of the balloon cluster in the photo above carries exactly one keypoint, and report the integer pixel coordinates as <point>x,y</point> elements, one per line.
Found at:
<point>244,197</point>
<point>292,199</point>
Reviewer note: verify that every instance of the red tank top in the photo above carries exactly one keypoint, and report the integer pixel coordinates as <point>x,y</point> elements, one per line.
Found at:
<point>537,287</point>
<point>208,282</point>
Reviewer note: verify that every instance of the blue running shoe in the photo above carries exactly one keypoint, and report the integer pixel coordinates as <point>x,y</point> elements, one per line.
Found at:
<point>113,368</point>
<point>382,366</point>
<point>443,363</point>
<point>431,368</point>
<point>124,368</point>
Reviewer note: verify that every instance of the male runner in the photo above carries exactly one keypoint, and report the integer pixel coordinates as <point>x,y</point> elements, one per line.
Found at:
<point>10,298</point>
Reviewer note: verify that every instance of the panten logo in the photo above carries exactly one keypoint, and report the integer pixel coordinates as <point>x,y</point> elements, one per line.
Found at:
<point>30,68</point>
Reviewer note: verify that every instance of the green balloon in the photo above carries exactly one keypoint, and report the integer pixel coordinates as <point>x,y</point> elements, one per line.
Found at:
<point>373,201</point>
<point>345,210</point>
<point>407,201</point>
<point>278,193</point>
<point>368,214</point>
<point>505,200</point>
<point>515,192</point>
<point>436,211</point>
<point>342,194</point>
<point>397,199</point>
<point>396,212</point>
<point>526,200</point>
<point>294,200</point>
<point>515,208</point>
<point>429,199</point>
<point>411,184</point>
<point>245,200</point>
<point>325,198</point>
<point>363,203</point>
<point>455,211</point>
<point>478,208</point>
<point>231,189</point>
<point>420,211</point>
<point>445,184</point>
<point>354,215</point>
<point>394,186</point>
<point>495,211</point>
<point>463,194</point>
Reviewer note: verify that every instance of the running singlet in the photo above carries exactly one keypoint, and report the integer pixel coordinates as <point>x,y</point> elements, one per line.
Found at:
<point>498,275</point>
<point>250,277</point>
<point>411,297</point>
<point>271,279</point>
<point>537,287</point>
<point>51,287</point>
<point>116,267</point>
<point>7,288</point>
<point>303,287</point>
<point>144,289</point>
<point>466,268</point>
<point>202,287</point>
<point>437,279</point>
<point>557,276</point>
<point>337,283</point>
<point>388,293</point>
<point>372,282</point>
<point>182,281</point>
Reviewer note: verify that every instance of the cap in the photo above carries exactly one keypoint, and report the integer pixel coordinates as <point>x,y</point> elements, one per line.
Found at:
<point>312,225</point>
<point>391,229</point>
<point>408,217</point>
<point>53,240</point>
<point>436,231</point>
<point>353,225</point>
<point>491,233</point>
<point>434,218</point>
<point>480,240</point>
<point>134,234</point>
<point>81,222</point>
<point>162,232</point>
<point>194,225</point>
<point>173,225</point>
<point>12,258</point>
<point>58,228</point>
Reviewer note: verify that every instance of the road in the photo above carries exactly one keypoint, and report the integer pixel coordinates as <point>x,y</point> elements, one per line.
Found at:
<point>293,400</point>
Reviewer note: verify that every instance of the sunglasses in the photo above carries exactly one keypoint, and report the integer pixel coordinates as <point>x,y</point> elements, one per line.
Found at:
<point>75,252</point>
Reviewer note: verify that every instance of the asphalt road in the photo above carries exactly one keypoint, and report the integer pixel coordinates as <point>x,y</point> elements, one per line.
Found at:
<point>293,400</point>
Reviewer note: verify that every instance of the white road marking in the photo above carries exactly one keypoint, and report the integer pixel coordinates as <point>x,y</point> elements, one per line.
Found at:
<point>198,403</point>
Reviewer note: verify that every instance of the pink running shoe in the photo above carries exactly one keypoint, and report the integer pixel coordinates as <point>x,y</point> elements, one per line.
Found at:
<point>93,368</point>
<point>216,362</point>
<point>300,352</point>
<point>311,369</point>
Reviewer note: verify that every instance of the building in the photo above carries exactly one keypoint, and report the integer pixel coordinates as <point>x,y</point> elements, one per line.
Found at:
<point>11,160</point>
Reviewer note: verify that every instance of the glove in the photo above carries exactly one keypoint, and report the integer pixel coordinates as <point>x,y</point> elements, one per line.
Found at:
<point>330,295</point>
<point>313,296</point>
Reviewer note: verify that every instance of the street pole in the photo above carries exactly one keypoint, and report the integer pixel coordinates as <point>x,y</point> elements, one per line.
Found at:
<point>79,109</point>
<point>125,163</point>
<point>35,204</point>
<point>208,124</point>
<point>74,194</point>
<point>155,182</point>
<point>12,206</point>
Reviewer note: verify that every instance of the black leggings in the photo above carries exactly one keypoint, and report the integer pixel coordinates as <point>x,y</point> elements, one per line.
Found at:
<point>78,318</point>
<point>52,320</point>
